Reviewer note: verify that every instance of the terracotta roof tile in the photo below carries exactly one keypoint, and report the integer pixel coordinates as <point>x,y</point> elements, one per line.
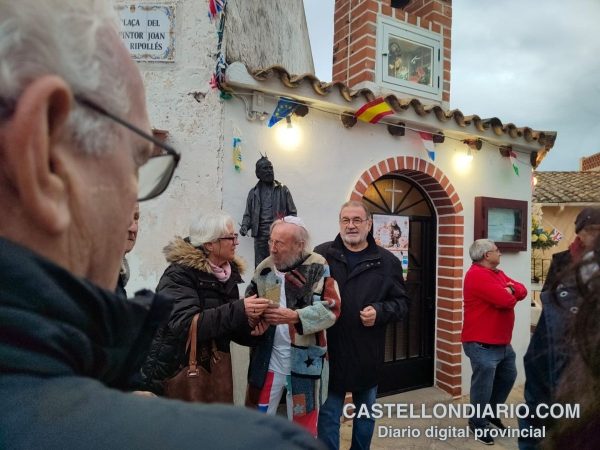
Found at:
<point>545,139</point>
<point>567,187</point>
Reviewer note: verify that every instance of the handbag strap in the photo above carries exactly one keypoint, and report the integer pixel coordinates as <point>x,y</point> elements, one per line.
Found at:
<point>192,343</point>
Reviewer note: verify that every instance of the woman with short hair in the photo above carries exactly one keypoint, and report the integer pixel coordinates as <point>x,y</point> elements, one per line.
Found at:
<point>202,277</point>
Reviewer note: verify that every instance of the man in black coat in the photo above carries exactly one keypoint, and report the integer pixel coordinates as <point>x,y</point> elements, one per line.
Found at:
<point>373,294</point>
<point>74,143</point>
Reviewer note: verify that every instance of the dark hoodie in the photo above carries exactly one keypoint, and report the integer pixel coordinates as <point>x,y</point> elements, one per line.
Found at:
<point>64,343</point>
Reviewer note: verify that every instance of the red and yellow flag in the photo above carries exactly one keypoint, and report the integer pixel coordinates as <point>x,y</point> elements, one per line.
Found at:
<point>374,111</point>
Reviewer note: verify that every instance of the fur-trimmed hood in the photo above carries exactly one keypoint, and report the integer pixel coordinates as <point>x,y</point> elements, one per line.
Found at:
<point>181,252</point>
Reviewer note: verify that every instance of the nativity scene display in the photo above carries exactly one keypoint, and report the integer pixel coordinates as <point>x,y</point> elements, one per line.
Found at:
<point>410,61</point>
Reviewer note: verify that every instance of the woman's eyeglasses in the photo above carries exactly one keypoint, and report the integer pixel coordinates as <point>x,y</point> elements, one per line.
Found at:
<point>234,239</point>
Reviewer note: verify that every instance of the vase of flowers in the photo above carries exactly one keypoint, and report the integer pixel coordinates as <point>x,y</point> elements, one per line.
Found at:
<point>543,238</point>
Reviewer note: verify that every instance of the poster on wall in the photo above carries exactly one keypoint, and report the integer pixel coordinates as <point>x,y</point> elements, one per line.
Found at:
<point>391,232</point>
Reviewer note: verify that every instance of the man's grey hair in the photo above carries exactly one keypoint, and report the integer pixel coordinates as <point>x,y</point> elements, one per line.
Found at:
<point>355,204</point>
<point>67,38</point>
<point>209,227</point>
<point>479,248</point>
<point>300,233</point>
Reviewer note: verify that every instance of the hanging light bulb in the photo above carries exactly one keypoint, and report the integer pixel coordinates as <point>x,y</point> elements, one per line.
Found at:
<point>463,160</point>
<point>288,136</point>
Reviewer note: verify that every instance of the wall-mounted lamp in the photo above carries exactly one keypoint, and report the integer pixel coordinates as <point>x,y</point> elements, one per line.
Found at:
<point>348,119</point>
<point>287,135</point>
<point>438,138</point>
<point>397,129</point>
<point>462,160</point>
<point>505,150</point>
<point>474,144</point>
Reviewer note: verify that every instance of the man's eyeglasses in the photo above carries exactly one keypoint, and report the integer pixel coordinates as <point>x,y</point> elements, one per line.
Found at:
<point>156,174</point>
<point>234,238</point>
<point>276,244</point>
<point>356,221</point>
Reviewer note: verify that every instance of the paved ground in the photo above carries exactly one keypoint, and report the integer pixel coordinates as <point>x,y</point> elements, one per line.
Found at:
<point>429,397</point>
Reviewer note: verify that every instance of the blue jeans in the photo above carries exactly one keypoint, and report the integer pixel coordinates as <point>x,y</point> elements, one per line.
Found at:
<point>494,374</point>
<point>329,420</point>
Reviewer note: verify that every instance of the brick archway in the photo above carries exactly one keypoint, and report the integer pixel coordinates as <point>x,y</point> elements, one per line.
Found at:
<point>450,241</point>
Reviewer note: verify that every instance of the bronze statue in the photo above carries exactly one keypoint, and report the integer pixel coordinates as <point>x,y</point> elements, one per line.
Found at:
<point>267,201</point>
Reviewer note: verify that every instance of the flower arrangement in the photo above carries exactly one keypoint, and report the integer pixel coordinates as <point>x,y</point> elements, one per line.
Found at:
<point>543,238</point>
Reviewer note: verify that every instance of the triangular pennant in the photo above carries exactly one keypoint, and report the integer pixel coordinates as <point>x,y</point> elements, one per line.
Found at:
<point>237,154</point>
<point>215,7</point>
<point>513,160</point>
<point>427,140</point>
<point>285,107</point>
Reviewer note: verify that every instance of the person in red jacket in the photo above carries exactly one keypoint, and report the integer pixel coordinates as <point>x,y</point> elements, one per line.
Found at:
<point>489,301</point>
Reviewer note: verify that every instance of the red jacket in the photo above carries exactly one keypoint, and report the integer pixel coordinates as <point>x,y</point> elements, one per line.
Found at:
<point>489,314</point>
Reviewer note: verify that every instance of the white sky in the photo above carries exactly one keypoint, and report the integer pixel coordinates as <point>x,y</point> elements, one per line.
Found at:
<point>533,63</point>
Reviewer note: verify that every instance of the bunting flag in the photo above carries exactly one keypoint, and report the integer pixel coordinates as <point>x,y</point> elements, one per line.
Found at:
<point>374,111</point>
<point>556,235</point>
<point>237,154</point>
<point>215,7</point>
<point>427,139</point>
<point>513,160</point>
<point>285,107</point>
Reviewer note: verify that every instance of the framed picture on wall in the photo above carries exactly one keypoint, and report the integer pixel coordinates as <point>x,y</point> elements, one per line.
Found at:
<point>503,221</point>
<point>391,232</point>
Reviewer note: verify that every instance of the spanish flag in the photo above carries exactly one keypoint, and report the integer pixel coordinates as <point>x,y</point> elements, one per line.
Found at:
<point>374,111</point>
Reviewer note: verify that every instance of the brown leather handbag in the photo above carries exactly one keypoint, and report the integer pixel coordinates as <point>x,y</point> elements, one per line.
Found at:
<point>194,383</point>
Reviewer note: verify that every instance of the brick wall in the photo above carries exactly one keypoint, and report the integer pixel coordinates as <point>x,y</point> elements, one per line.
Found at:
<point>590,163</point>
<point>450,244</point>
<point>355,32</point>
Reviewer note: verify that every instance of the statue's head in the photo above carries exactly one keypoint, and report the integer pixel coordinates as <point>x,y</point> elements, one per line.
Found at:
<point>264,170</point>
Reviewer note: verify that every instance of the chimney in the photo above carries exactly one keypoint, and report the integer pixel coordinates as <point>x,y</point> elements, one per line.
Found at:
<point>357,54</point>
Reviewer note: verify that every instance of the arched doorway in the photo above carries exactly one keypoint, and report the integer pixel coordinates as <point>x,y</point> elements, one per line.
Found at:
<point>409,346</point>
<point>447,238</point>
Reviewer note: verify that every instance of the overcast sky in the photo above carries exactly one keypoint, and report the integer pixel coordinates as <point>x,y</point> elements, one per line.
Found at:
<point>533,63</point>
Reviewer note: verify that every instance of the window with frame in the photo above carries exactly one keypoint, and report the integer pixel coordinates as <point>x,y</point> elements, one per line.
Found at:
<point>409,59</point>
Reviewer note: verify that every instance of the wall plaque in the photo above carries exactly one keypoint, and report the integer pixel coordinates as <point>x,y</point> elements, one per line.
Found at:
<point>148,31</point>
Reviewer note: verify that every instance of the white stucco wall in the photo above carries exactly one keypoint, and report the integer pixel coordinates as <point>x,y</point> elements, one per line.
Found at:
<point>195,130</point>
<point>322,172</point>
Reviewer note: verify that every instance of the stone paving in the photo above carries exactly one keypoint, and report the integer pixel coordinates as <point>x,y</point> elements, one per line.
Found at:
<point>429,397</point>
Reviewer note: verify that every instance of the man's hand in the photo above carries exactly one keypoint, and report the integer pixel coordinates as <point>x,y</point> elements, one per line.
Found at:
<point>243,230</point>
<point>510,287</point>
<point>278,316</point>
<point>368,316</point>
